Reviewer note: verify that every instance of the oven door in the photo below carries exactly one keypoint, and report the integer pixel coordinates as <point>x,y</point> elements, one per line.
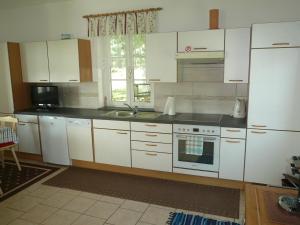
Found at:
<point>196,152</point>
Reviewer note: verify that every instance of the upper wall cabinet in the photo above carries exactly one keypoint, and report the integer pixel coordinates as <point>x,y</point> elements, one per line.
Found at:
<point>207,40</point>
<point>276,35</point>
<point>70,61</point>
<point>161,64</point>
<point>237,51</point>
<point>35,62</point>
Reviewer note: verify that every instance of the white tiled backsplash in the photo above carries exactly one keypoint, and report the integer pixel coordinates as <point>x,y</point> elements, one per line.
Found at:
<point>82,95</point>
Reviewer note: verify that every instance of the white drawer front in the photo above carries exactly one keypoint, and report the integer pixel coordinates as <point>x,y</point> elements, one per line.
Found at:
<point>151,137</point>
<point>151,127</point>
<point>149,146</point>
<point>111,124</point>
<point>27,118</point>
<point>233,132</point>
<point>152,161</point>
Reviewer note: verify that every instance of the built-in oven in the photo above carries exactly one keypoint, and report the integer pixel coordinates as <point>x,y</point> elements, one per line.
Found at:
<point>196,147</point>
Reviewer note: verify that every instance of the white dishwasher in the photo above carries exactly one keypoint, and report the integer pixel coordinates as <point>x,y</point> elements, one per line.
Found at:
<point>80,139</point>
<point>54,140</point>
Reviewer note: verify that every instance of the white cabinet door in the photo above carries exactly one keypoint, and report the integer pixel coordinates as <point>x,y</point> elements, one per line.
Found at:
<point>272,35</point>
<point>29,138</point>
<point>232,156</point>
<point>268,155</point>
<point>274,89</point>
<point>64,61</point>
<point>6,97</point>
<point>34,57</point>
<point>80,139</point>
<point>207,40</point>
<point>237,52</point>
<point>112,147</point>
<point>161,64</point>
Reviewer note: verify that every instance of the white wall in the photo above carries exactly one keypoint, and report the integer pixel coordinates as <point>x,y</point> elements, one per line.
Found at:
<point>50,20</point>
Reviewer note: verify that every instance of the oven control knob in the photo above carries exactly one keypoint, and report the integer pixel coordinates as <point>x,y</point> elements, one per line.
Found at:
<point>183,129</point>
<point>208,131</point>
<point>213,131</point>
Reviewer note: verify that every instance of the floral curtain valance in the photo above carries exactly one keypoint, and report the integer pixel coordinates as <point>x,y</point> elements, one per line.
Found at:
<point>130,22</point>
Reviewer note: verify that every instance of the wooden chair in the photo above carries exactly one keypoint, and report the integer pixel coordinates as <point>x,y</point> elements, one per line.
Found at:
<point>11,122</point>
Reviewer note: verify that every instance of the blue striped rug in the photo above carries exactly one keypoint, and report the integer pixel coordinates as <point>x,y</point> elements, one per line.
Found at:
<point>187,219</point>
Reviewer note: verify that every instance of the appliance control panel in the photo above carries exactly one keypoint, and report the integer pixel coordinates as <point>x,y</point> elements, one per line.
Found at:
<point>197,129</point>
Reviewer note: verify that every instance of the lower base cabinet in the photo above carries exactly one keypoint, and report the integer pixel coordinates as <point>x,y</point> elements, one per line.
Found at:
<point>232,156</point>
<point>29,138</point>
<point>152,160</point>
<point>112,147</point>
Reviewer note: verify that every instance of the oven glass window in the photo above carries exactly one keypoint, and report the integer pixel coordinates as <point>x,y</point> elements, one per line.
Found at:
<point>196,149</point>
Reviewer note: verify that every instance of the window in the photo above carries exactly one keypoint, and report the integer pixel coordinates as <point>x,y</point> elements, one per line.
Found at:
<point>127,75</point>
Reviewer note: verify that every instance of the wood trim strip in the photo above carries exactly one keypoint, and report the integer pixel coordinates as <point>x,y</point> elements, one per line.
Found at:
<point>161,175</point>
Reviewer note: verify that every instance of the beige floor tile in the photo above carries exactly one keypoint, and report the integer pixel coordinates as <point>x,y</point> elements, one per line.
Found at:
<point>162,207</point>
<point>134,205</point>
<point>91,195</point>
<point>70,191</point>
<point>156,215</point>
<point>21,222</point>
<point>14,198</point>
<point>38,213</point>
<point>88,220</point>
<point>124,217</point>
<point>220,218</point>
<point>142,223</point>
<point>33,187</point>
<point>79,204</point>
<point>113,200</point>
<point>43,191</point>
<point>25,204</point>
<point>8,215</point>
<point>62,217</point>
<point>58,200</point>
<point>102,209</point>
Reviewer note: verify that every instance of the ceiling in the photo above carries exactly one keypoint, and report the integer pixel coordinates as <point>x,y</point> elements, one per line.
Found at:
<point>10,4</point>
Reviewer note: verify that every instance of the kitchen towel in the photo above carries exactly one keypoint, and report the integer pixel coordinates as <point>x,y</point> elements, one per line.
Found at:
<point>7,135</point>
<point>194,145</point>
<point>170,106</point>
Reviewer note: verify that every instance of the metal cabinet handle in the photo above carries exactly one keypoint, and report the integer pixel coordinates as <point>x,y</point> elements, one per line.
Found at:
<point>151,135</point>
<point>151,145</point>
<point>200,48</point>
<point>258,132</point>
<point>151,154</point>
<point>73,80</point>
<point>22,124</point>
<point>258,125</point>
<point>236,80</point>
<point>122,133</point>
<point>233,142</point>
<point>43,80</point>
<point>154,79</point>
<point>230,130</point>
<point>281,43</point>
<point>151,125</point>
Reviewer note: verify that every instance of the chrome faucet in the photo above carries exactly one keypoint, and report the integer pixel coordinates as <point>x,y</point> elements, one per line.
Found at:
<point>134,110</point>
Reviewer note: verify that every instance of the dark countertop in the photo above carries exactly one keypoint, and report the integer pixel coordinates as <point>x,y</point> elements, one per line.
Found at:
<point>180,118</point>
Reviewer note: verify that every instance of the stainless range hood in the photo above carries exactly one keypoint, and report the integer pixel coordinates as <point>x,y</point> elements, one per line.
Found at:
<point>216,57</point>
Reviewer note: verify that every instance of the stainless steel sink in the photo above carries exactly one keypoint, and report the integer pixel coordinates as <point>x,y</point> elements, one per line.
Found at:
<point>129,114</point>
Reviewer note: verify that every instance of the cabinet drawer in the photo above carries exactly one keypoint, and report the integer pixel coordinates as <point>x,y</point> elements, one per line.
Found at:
<point>149,146</point>
<point>151,137</point>
<point>207,40</point>
<point>111,124</point>
<point>152,161</point>
<point>151,127</point>
<point>230,132</point>
<point>276,35</point>
<point>27,118</point>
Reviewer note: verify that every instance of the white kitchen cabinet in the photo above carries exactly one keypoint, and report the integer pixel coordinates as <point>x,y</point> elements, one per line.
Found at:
<point>233,132</point>
<point>29,138</point>
<point>112,147</point>
<point>268,155</point>
<point>152,160</point>
<point>206,40</point>
<point>151,127</point>
<point>69,60</point>
<point>79,133</point>
<point>237,53</point>
<point>151,137</point>
<point>276,35</point>
<point>161,64</point>
<point>274,89</point>
<point>232,156</point>
<point>34,56</point>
